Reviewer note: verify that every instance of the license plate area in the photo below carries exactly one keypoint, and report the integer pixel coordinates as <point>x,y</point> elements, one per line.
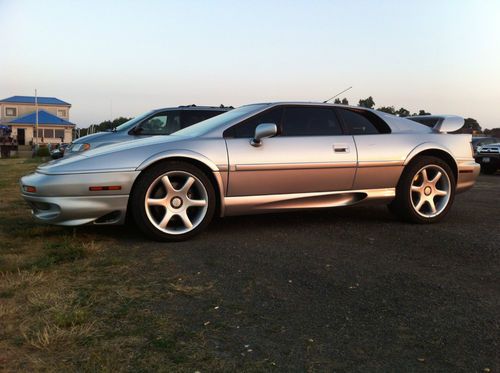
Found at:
<point>485,160</point>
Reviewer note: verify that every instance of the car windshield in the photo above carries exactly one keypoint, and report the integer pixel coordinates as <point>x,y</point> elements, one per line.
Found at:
<point>132,122</point>
<point>219,120</point>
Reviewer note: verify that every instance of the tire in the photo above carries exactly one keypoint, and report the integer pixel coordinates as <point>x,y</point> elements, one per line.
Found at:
<point>171,196</point>
<point>420,197</point>
<point>488,169</point>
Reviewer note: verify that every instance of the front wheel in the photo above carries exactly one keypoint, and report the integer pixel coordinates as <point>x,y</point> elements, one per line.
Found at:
<point>173,201</point>
<point>425,191</point>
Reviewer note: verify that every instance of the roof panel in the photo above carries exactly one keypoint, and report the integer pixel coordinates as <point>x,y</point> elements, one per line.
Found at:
<point>43,119</point>
<point>31,100</point>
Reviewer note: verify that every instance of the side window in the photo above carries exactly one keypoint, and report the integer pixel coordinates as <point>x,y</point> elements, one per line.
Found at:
<point>192,117</point>
<point>161,124</point>
<point>246,129</point>
<point>361,122</point>
<point>310,121</point>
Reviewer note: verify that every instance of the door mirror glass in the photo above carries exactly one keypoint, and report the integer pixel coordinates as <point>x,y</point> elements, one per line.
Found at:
<point>262,131</point>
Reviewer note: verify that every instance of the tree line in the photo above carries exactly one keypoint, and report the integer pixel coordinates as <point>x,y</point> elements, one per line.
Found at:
<point>471,125</point>
<point>107,125</point>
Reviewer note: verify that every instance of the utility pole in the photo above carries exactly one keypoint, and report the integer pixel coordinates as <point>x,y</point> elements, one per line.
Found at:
<point>36,118</point>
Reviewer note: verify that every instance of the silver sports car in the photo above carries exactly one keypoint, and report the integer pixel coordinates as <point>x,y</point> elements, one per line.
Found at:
<point>259,158</point>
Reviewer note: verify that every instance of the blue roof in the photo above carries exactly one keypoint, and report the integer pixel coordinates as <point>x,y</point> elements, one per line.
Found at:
<point>31,100</point>
<point>43,118</point>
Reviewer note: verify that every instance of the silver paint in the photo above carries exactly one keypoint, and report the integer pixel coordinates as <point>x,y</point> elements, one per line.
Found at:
<point>283,173</point>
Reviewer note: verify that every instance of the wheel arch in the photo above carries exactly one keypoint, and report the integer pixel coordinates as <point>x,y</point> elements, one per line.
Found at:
<point>435,151</point>
<point>195,159</point>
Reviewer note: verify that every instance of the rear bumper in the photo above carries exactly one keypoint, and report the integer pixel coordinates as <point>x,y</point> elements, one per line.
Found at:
<point>468,172</point>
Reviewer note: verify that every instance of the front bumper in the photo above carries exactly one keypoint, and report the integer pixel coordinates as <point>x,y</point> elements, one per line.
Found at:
<point>468,171</point>
<point>67,200</point>
<point>71,211</point>
<point>492,159</point>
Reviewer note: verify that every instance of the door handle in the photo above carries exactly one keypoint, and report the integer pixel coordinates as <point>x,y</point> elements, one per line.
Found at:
<point>341,148</point>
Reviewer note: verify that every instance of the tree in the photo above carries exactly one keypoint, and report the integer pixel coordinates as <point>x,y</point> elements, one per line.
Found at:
<point>387,109</point>
<point>343,102</point>
<point>402,112</point>
<point>367,102</point>
<point>494,132</point>
<point>423,112</point>
<point>470,126</point>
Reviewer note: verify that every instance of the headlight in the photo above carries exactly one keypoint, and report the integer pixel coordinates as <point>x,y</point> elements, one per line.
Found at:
<point>478,149</point>
<point>79,147</point>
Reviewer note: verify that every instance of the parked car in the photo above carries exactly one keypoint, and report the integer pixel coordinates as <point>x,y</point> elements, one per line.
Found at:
<point>488,157</point>
<point>58,152</point>
<point>478,142</point>
<point>259,158</point>
<point>156,122</point>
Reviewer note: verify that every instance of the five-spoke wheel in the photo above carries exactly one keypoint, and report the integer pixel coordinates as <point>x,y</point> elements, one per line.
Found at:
<point>171,201</point>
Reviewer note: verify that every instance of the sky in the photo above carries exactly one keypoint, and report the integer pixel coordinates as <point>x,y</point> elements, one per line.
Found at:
<point>121,58</point>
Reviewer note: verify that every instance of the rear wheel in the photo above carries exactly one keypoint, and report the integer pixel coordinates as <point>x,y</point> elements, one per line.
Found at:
<point>425,191</point>
<point>173,201</point>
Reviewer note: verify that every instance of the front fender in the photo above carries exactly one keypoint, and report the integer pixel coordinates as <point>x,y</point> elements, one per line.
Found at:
<point>181,153</point>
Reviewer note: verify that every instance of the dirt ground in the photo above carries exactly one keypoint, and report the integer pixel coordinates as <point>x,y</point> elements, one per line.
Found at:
<point>350,289</point>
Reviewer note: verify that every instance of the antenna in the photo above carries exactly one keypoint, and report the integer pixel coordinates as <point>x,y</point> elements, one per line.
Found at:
<point>338,94</point>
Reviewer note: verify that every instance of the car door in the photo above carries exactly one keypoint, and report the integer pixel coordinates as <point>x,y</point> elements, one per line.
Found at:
<point>309,154</point>
<point>381,154</point>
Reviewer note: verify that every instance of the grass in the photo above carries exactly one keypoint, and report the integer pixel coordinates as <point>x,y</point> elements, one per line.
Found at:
<point>73,300</point>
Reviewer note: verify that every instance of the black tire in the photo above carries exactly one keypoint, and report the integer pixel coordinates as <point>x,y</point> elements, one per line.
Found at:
<point>488,169</point>
<point>402,205</point>
<point>147,178</point>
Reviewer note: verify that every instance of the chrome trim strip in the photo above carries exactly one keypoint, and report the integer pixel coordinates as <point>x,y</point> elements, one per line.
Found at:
<point>100,171</point>
<point>380,163</point>
<point>293,166</point>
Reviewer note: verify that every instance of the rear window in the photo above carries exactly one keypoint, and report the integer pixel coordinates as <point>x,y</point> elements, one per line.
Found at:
<point>363,122</point>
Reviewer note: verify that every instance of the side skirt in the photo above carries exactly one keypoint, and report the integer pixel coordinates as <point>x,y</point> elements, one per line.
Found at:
<point>281,202</point>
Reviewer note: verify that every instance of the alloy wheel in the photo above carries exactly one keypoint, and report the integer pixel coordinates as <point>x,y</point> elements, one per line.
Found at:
<point>430,191</point>
<point>176,202</point>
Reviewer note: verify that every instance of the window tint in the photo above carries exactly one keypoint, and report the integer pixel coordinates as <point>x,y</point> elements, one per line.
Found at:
<point>161,124</point>
<point>361,122</point>
<point>246,129</point>
<point>192,117</point>
<point>310,121</point>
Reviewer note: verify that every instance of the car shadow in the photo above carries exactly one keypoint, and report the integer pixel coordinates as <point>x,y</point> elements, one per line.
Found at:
<point>232,226</point>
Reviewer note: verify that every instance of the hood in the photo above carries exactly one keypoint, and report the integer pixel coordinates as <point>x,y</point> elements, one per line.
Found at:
<point>92,138</point>
<point>123,156</point>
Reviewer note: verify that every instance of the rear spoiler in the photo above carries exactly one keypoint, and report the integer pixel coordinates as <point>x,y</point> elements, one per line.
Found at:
<point>440,123</point>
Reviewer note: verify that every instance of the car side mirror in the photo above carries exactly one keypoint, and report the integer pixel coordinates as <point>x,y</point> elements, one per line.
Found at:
<point>263,131</point>
<point>137,130</point>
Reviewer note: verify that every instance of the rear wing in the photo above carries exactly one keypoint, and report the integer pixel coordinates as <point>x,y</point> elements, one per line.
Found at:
<point>440,123</point>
